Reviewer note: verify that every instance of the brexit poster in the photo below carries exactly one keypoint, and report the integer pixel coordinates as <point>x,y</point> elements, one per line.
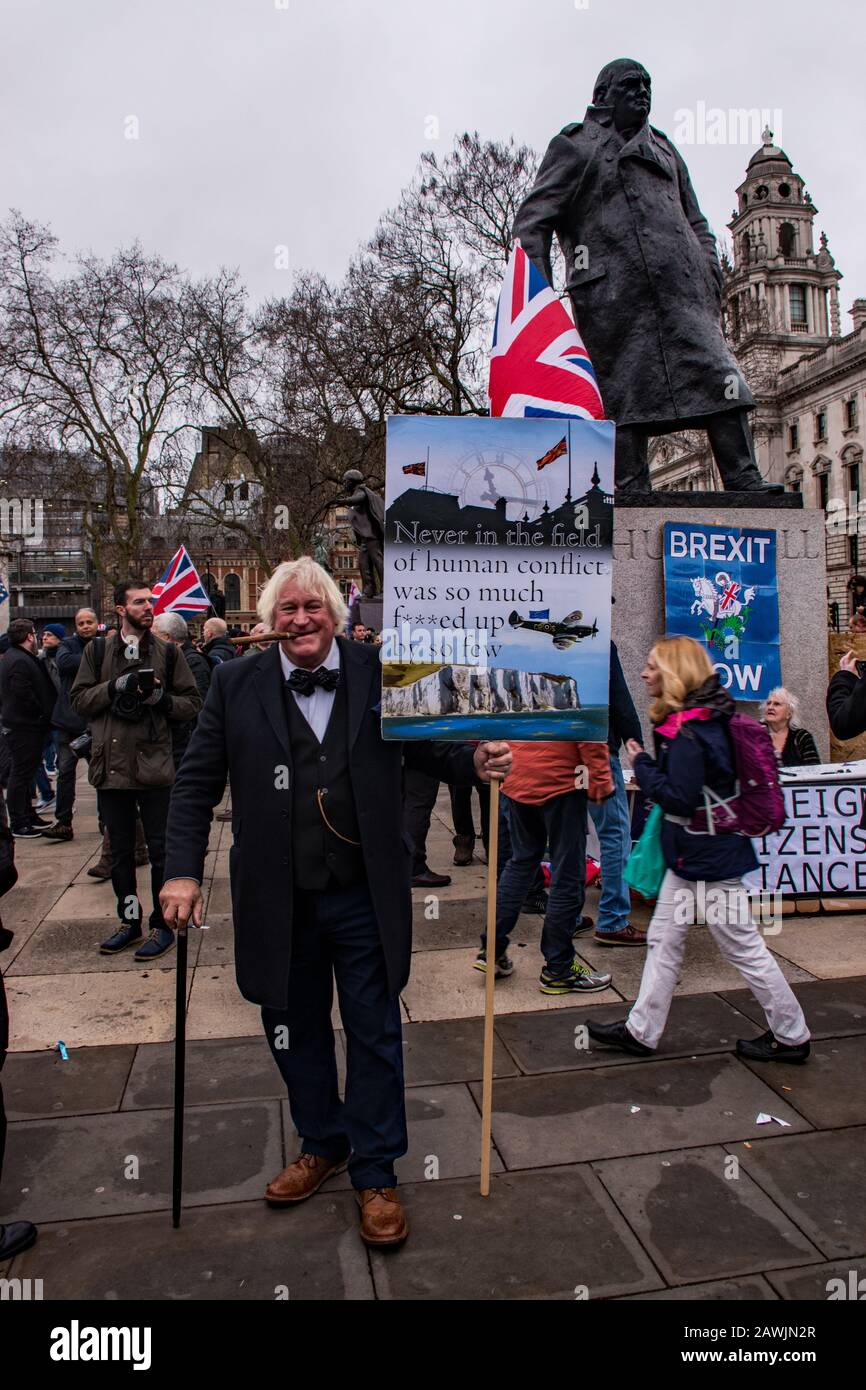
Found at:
<point>497,593</point>
<point>721,588</point>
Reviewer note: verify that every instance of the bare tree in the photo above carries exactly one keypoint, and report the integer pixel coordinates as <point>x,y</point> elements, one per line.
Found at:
<point>94,363</point>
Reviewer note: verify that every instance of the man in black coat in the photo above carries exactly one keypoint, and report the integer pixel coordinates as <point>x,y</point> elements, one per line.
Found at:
<point>320,870</point>
<point>216,646</point>
<point>28,695</point>
<point>846,698</point>
<point>67,724</point>
<point>644,278</point>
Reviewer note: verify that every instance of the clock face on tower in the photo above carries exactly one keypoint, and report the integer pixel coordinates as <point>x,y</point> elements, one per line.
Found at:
<point>483,475</point>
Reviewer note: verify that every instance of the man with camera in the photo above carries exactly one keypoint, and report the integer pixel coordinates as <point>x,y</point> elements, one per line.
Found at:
<point>132,687</point>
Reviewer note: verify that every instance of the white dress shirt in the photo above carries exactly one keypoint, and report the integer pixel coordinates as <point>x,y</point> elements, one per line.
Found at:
<point>315,708</point>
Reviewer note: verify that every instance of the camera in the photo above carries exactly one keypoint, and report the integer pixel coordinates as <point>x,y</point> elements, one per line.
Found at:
<point>146,681</point>
<point>82,745</point>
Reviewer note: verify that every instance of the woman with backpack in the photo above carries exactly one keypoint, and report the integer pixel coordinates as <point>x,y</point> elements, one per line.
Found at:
<point>696,779</point>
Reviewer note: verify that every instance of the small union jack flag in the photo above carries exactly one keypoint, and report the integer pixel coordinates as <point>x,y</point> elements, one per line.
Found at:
<point>728,595</point>
<point>179,589</point>
<point>539,365</point>
<point>419,469</point>
<point>555,453</point>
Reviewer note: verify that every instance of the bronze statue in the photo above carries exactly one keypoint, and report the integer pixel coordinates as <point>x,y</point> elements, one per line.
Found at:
<point>645,281</point>
<point>368,524</point>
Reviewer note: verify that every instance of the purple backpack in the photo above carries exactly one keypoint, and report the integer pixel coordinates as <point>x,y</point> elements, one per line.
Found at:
<point>757,806</point>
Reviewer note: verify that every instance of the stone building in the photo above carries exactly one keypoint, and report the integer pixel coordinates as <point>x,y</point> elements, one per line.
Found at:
<point>782,318</point>
<point>219,491</point>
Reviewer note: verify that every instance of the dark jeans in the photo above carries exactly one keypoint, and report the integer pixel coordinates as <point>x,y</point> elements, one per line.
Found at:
<point>25,746</point>
<point>118,810</point>
<point>561,824</point>
<point>67,770</point>
<point>537,885</point>
<point>4,1035</point>
<point>5,762</point>
<point>419,798</point>
<point>461,812</point>
<point>335,935</point>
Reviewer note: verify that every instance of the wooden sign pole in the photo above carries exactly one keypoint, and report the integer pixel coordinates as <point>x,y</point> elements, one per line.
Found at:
<point>487,1072</point>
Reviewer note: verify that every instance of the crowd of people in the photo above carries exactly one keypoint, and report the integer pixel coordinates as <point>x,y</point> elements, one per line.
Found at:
<point>292,726</point>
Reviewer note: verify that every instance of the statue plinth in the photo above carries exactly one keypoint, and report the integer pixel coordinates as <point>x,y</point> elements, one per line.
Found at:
<point>638,617</point>
<point>748,501</point>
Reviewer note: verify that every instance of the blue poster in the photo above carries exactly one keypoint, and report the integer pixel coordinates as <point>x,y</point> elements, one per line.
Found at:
<point>721,588</point>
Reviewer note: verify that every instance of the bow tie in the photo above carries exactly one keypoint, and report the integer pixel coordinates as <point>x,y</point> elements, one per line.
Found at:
<point>305,682</point>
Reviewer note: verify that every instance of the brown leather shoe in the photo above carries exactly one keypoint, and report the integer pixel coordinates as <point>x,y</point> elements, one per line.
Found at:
<point>301,1179</point>
<point>383,1220</point>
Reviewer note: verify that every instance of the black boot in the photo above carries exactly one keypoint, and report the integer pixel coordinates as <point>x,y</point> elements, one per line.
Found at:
<point>767,1048</point>
<point>464,846</point>
<point>617,1035</point>
<point>734,451</point>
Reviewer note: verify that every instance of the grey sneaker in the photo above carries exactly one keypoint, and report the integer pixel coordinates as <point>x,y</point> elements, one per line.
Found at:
<point>576,980</point>
<point>504,964</point>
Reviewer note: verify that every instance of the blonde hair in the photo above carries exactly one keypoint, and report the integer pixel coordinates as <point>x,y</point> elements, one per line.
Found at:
<point>310,576</point>
<point>684,666</point>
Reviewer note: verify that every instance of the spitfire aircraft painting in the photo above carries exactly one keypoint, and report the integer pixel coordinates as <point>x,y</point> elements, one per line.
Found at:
<point>564,633</point>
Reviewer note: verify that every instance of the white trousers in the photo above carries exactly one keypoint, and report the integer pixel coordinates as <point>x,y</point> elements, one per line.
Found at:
<point>728,916</point>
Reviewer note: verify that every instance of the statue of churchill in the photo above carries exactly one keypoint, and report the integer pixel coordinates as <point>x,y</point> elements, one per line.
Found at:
<point>645,281</point>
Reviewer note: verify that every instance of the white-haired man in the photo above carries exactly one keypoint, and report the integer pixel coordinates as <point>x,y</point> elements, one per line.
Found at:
<point>320,872</point>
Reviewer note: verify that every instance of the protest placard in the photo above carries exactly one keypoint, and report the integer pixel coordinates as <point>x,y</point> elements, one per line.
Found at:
<point>721,588</point>
<point>496,619</point>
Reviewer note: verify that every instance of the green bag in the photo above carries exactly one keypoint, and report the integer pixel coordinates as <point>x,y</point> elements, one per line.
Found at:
<point>646,866</point>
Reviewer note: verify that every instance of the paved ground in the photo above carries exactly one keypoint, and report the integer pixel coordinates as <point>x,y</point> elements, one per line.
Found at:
<point>612,1178</point>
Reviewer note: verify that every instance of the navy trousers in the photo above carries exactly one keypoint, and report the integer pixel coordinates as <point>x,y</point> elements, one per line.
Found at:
<point>335,936</point>
<point>559,823</point>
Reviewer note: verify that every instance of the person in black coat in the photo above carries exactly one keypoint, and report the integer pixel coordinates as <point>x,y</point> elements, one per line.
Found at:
<point>846,698</point>
<point>216,646</point>
<point>28,695</point>
<point>703,882</point>
<point>320,875</point>
<point>68,725</point>
<point>17,1236</point>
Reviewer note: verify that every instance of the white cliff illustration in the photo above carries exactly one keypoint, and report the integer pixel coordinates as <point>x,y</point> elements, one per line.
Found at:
<point>473,690</point>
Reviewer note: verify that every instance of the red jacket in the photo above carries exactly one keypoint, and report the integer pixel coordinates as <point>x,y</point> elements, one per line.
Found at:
<point>540,771</point>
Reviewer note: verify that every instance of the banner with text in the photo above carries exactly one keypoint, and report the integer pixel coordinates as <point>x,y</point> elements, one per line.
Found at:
<point>498,538</point>
<point>721,588</point>
<point>820,848</point>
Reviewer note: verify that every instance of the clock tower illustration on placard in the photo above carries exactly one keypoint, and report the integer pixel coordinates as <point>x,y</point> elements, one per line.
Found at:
<point>483,475</point>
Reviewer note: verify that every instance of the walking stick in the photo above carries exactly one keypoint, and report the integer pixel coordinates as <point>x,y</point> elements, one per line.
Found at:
<point>487,1072</point>
<point>179,1076</point>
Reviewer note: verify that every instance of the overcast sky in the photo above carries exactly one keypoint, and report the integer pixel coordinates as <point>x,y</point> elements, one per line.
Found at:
<point>296,122</point>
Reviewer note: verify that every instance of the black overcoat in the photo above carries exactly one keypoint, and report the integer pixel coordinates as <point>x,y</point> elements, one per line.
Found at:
<point>642,272</point>
<point>242,732</point>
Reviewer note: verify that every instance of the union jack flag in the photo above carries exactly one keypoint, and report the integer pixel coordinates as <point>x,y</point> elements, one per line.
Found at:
<point>179,589</point>
<point>539,365</point>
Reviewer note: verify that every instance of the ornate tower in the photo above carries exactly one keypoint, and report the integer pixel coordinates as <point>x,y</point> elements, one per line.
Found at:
<point>781,295</point>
